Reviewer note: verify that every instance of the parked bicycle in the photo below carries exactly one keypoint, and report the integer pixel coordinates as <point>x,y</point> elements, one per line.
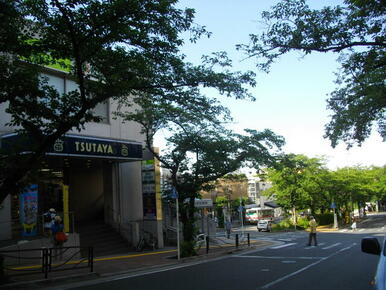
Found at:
<point>147,241</point>
<point>199,241</point>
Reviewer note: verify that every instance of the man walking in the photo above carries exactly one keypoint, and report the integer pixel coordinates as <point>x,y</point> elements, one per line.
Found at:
<point>228,227</point>
<point>312,232</point>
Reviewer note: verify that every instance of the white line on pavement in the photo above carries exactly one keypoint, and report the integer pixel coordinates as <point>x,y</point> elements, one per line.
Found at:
<point>277,257</point>
<point>312,247</point>
<point>305,268</point>
<point>331,246</point>
<point>283,246</point>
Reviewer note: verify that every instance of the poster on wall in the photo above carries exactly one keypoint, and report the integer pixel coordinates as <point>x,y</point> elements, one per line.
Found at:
<point>149,190</point>
<point>29,210</point>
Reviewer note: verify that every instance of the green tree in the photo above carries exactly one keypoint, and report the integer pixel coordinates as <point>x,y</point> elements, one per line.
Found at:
<point>297,183</point>
<point>199,149</point>
<point>355,31</point>
<point>111,49</point>
<point>378,184</point>
<point>351,187</point>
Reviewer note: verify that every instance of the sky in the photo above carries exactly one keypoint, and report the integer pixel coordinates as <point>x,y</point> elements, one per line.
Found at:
<point>291,99</point>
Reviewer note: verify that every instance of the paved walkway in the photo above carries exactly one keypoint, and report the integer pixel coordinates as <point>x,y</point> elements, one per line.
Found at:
<point>120,264</point>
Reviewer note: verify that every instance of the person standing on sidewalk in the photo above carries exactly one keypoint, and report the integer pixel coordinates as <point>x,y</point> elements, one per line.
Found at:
<point>228,227</point>
<point>312,235</point>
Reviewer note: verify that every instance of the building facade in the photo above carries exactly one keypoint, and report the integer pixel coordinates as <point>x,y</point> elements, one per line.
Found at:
<point>96,174</point>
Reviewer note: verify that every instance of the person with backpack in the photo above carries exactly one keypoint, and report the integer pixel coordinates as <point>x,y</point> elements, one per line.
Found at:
<point>48,219</point>
<point>59,237</point>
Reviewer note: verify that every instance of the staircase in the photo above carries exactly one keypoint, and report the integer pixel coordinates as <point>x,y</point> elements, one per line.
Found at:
<point>105,240</point>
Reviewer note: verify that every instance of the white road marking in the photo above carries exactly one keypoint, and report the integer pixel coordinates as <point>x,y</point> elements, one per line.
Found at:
<point>305,268</point>
<point>312,247</point>
<point>331,246</point>
<point>285,240</point>
<point>277,257</point>
<point>283,246</point>
<point>288,262</point>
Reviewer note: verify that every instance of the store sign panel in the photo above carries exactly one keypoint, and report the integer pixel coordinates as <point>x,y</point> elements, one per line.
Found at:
<point>83,146</point>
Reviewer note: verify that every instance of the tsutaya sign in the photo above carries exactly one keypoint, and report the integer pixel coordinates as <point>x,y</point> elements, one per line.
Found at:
<point>97,147</point>
<point>80,146</point>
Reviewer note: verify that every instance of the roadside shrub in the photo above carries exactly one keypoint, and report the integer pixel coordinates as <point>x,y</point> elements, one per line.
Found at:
<point>284,225</point>
<point>287,224</point>
<point>324,219</point>
<point>187,249</point>
<point>303,222</point>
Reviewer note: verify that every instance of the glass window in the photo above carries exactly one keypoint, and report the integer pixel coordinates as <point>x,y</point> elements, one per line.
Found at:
<point>102,110</point>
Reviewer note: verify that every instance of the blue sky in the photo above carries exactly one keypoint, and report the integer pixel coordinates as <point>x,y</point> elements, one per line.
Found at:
<point>291,99</point>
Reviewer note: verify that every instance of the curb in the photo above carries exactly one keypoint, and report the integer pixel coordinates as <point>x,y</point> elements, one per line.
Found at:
<point>68,279</point>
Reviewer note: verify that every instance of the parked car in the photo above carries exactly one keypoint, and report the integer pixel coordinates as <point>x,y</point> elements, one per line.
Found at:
<point>264,225</point>
<point>371,245</point>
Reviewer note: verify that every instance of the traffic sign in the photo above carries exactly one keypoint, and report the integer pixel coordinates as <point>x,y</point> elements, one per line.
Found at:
<point>174,193</point>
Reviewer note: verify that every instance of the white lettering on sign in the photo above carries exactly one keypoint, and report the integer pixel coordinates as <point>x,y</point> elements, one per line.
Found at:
<point>93,147</point>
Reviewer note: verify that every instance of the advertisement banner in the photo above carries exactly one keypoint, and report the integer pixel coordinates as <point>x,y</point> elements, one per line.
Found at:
<point>29,210</point>
<point>151,187</point>
<point>149,190</point>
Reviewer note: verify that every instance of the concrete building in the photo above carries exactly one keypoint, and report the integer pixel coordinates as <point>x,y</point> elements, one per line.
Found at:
<point>99,174</point>
<point>255,189</point>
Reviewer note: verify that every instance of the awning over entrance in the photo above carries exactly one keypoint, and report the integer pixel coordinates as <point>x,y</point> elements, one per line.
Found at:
<point>78,146</point>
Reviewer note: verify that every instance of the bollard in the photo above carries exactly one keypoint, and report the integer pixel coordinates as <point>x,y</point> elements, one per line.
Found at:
<point>249,241</point>
<point>237,240</point>
<point>207,244</point>
<point>91,258</point>
<point>2,272</point>
<point>46,261</point>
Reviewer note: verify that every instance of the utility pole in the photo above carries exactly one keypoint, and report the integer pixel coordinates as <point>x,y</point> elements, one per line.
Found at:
<point>241,218</point>
<point>175,196</point>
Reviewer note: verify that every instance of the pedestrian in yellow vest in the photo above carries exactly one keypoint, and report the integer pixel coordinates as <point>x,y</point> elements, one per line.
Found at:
<point>312,236</point>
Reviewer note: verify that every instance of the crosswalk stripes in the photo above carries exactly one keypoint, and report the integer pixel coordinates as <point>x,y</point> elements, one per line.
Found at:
<point>320,246</point>
<point>331,246</point>
<point>283,246</point>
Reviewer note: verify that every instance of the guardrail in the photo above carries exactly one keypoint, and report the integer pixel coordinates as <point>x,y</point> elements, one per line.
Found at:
<point>235,241</point>
<point>41,260</point>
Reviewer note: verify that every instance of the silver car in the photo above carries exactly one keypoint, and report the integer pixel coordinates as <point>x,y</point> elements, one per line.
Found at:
<point>371,245</point>
<point>264,225</point>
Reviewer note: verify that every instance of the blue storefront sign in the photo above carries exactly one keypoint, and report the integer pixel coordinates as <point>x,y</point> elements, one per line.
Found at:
<point>77,146</point>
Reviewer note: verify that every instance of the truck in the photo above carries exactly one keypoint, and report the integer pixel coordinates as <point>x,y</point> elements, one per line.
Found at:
<point>254,214</point>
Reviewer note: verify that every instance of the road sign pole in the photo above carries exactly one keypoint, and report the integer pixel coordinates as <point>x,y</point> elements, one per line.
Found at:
<point>178,231</point>
<point>174,195</point>
<point>241,218</point>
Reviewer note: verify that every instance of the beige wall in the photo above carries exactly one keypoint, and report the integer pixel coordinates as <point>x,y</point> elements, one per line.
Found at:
<point>113,129</point>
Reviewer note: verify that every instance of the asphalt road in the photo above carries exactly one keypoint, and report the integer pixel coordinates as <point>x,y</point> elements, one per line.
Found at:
<point>336,263</point>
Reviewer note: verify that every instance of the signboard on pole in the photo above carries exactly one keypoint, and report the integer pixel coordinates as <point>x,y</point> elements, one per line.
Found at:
<point>203,203</point>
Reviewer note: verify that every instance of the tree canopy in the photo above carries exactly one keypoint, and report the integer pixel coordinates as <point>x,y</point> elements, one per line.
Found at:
<point>199,148</point>
<point>355,31</point>
<point>111,49</point>
<point>304,183</point>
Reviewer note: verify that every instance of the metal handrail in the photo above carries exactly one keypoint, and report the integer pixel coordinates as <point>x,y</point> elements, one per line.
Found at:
<point>46,261</point>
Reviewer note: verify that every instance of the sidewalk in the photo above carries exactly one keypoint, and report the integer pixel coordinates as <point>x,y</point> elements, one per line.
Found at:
<point>130,262</point>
